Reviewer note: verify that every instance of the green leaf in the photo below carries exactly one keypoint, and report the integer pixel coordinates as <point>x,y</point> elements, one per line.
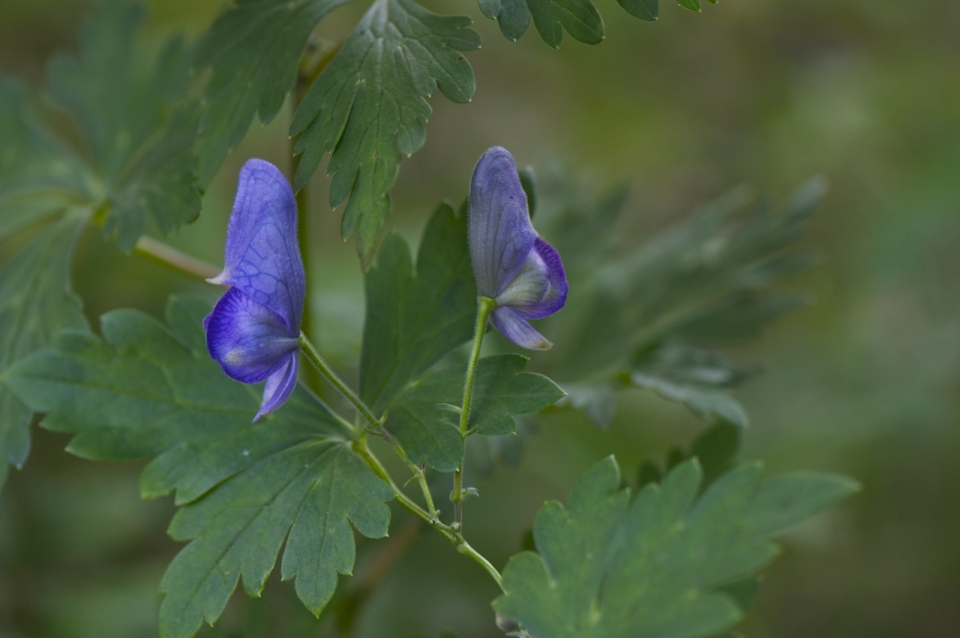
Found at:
<point>38,174</point>
<point>643,9</point>
<point>693,5</point>
<point>650,317</point>
<point>425,417</point>
<point>138,132</point>
<point>245,488</point>
<point>369,107</point>
<point>415,317</point>
<point>717,451</point>
<point>705,403</point>
<point>254,49</point>
<point>579,18</point>
<point>129,163</point>
<point>610,567</point>
<point>35,303</point>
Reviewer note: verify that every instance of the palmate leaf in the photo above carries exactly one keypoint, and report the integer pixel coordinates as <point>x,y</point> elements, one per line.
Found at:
<point>425,419</point>
<point>133,166</point>
<point>138,132</point>
<point>369,107</point>
<point>650,318</point>
<point>607,567</point>
<point>39,175</point>
<point>415,317</point>
<point>245,489</point>
<point>35,304</point>
<point>253,49</point>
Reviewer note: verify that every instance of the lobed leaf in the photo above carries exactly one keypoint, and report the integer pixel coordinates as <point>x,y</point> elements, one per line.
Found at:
<point>651,317</point>
<point>253,49</point>
<point>425,417</point>
<point>129,165</point>
<point>138,133</point>
<point>415,317</point>
<point>369,107</point>
<point>579,18</point>
<point>609,567</point>
<point>245,489</point>
<point>35,303</point>
<point>643,9</point>
<point>39,175</point>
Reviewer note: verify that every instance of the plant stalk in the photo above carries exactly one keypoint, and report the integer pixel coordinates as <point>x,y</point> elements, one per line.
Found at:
<point>314,357</point>
<point>167,255</point>
<point>485,306</point>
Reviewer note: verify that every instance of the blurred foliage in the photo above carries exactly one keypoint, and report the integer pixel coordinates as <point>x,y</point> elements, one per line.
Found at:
<point>864,381</point>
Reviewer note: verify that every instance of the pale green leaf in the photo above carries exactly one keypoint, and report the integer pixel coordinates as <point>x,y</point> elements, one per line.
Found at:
<point>138,131</point>
<point>39,175</point>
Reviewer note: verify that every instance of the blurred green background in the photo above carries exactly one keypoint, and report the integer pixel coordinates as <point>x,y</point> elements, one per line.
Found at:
<point>866,381</point>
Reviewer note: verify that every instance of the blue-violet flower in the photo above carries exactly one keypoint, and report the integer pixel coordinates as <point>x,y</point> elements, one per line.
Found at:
<point>253,331</point>
<point>513,266</point>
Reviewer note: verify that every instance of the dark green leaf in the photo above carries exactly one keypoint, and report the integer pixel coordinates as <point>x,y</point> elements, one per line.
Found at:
<point>254,49</point>
<point>643,9</point>
<point>742,591</point>
<point>246,488</point>
<point>425,417</point>
<point>369,107</point>
<point>717,450</point>
<point>139,133</point>
<point>609,567</point>
<point>414,318</point>
<point>35,303</point>
<point>693,5</point>
<point>579,18</point>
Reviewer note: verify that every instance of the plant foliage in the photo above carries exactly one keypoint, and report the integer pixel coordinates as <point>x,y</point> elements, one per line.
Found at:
<point>130,166</point>
<point>245,489</point>
<point>610,566</point>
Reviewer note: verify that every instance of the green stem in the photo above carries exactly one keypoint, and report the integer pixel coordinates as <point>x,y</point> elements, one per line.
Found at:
<point>451,534</point>
<point>170,257</point>
<point>485,306</point>
<point>314,357</point>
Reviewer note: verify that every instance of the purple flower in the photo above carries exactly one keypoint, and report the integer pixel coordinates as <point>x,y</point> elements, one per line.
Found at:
<point>513,266</point>
<point>254,329</point>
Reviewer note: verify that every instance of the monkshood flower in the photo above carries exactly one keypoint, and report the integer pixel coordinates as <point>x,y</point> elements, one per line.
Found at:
<point>520,272</point>
<point>254,329</point>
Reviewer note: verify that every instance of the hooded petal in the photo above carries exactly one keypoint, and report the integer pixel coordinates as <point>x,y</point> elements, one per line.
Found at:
<point>554,280</point>
<point>279,386</point>
<point>518,330</point>
<point>247,339</point>
<point>262,258</point>
<point>500,233</point>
